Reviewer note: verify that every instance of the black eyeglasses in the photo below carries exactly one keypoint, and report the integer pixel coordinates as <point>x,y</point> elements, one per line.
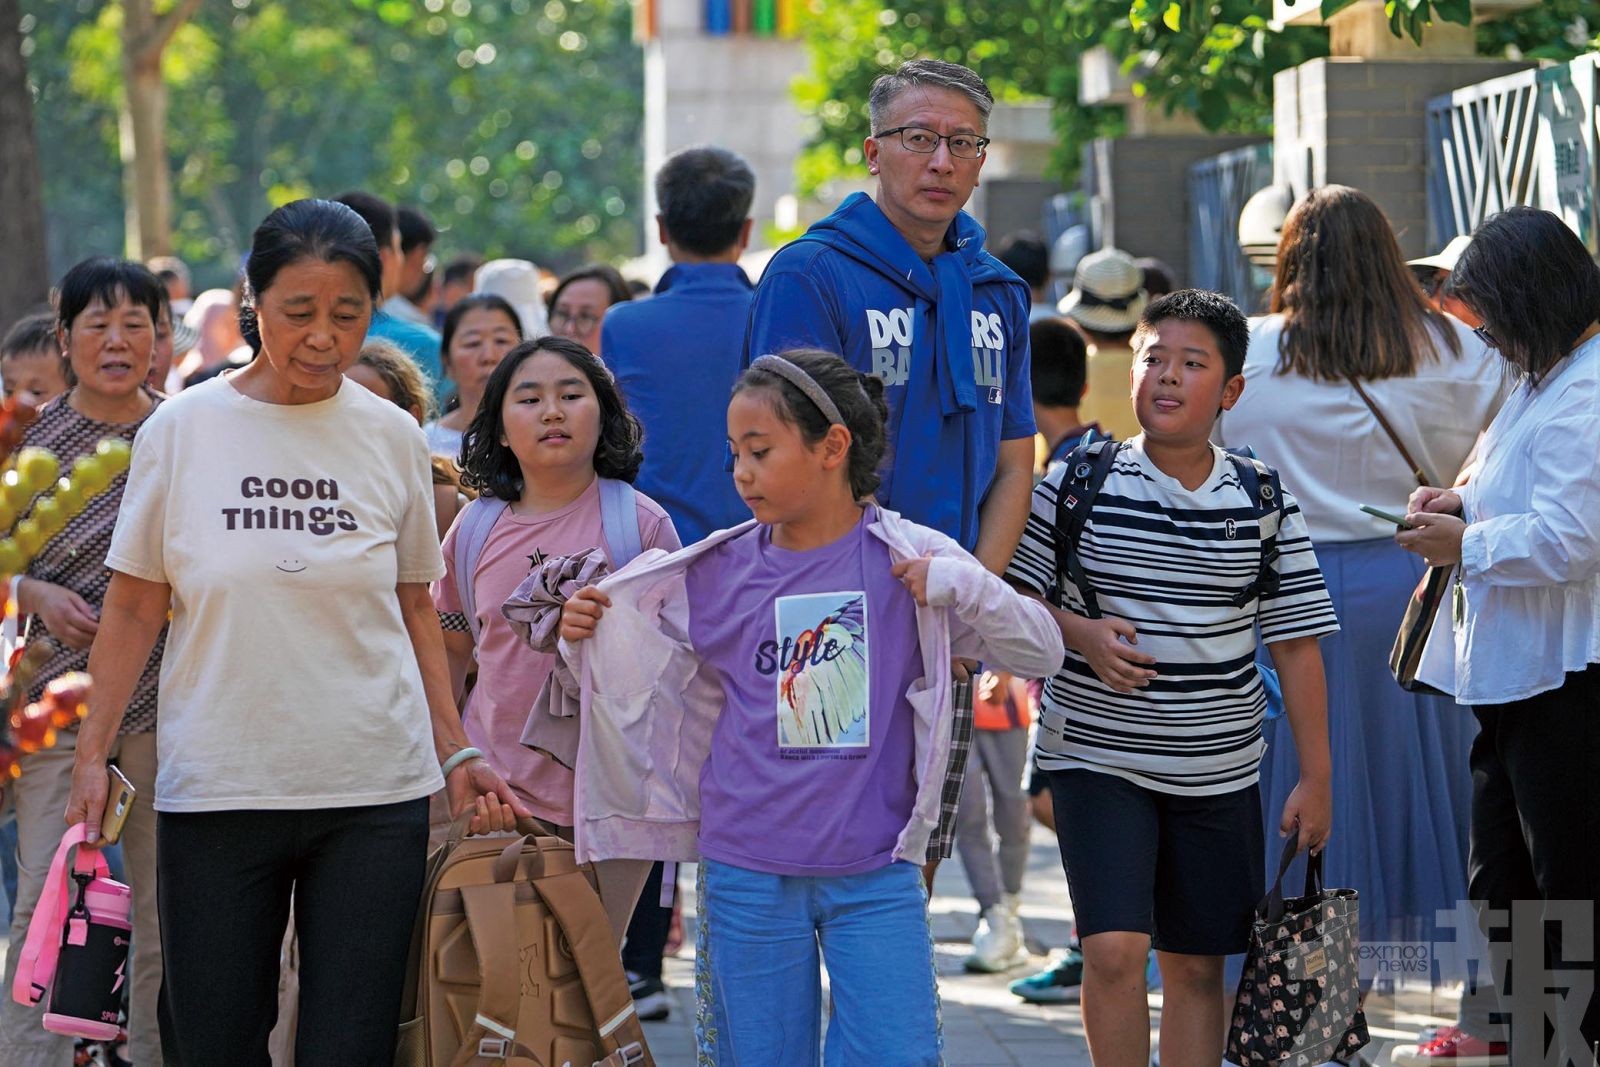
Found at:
<point>926,142</point>
<point>1482,333</point>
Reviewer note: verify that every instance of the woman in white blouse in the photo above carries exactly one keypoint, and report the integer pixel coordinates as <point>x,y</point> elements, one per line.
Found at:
<point>1524,534</point>
<point>1349,325</point>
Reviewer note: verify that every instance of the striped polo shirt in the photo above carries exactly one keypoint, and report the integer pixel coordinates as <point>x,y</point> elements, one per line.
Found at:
<point>1169,560</point>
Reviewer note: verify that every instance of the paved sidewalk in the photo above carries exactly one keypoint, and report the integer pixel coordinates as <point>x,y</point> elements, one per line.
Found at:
<point>984,1025</point>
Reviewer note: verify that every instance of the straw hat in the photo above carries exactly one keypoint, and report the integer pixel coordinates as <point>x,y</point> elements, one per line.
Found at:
<point>1446,259</point>
<point>1107,292</point>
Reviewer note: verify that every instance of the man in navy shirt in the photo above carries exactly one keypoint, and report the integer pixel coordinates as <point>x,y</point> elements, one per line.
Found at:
<point>677,354</point>
<point>899,285</point>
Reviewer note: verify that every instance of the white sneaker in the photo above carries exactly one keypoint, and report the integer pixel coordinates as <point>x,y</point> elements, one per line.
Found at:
<point>1011,904</point>
<point>997,946</point>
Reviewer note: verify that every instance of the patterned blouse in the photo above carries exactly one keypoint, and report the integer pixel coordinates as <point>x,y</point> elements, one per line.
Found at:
<point>76,557</point>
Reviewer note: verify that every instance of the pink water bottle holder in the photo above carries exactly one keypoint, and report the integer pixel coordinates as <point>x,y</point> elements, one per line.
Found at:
<point>76,950</point>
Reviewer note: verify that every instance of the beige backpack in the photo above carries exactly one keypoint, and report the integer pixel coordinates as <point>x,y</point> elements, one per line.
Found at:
<point>513,961</point>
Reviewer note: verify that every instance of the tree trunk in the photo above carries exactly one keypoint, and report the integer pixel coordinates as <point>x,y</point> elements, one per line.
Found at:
<point>146,179</point>
<point>146,176</point>
<point>24,270</point>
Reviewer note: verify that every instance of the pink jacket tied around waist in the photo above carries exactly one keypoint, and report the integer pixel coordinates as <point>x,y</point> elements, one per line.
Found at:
<point>648,703</point>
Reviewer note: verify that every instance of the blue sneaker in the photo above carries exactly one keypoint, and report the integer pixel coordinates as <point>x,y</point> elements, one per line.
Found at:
<point>1060,983</point>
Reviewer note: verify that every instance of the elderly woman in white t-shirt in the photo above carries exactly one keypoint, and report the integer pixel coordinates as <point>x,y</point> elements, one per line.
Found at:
<point>1524,535</point>
<point>285,519</point>
<point>1351,343</point>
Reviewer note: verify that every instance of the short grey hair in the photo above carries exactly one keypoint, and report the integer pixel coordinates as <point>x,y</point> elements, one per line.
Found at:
<point>935,73</point>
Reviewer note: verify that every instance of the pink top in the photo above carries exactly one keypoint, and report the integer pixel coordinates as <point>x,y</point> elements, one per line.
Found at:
<point>510,674</point>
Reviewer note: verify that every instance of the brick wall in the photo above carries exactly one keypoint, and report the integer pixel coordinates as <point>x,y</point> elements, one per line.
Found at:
<point>1142,183</point>
<point>1363,122</point>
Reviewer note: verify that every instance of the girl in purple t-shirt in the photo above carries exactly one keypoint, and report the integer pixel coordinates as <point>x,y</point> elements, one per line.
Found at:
<point>814,797</point>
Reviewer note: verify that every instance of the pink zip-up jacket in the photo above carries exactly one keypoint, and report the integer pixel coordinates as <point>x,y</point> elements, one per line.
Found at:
<point>648,703</point>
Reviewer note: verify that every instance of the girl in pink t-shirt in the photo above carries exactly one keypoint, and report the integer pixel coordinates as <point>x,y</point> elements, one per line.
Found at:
<point>550,425</point>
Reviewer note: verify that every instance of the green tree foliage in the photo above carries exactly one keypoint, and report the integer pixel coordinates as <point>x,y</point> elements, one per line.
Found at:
<point>1213,59</point>
<point>1551,29</point>
<point>514,124</point>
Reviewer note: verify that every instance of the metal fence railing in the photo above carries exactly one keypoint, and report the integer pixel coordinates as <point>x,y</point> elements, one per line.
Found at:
<point>1218,189</point>
<point>1521,139</point>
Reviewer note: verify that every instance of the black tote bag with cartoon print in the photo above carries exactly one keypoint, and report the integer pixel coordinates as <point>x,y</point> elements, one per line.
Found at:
<point>1299,1002</point>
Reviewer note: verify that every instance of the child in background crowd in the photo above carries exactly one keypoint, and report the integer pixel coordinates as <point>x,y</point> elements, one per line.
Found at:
<point>551,425</point>
<point>32,368</point>
<point>1151,732</point>
<point>478,332</point>
<point>992,820</point>
<point>386,370</point>
<point>799,673</point>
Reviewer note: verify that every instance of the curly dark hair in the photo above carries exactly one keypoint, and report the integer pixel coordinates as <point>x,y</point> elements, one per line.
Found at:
<point>859,398</point>
<point>490,468</point>
<point>1530,279</point>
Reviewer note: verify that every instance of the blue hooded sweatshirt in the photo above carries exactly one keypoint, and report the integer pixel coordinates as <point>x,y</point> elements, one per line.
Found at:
<point>948,338</point>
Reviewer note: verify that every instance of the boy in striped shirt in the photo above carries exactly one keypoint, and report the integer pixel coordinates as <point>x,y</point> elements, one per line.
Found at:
<point>1151,732</point>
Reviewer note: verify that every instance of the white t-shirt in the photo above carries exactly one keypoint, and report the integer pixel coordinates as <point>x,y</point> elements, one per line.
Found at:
<point>289,680</point>
<point>1324,441</point>
<point>442,440</point>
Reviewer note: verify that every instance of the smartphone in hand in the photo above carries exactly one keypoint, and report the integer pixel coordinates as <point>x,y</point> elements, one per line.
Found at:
<point>1387,517</point>
<point>119,801</point>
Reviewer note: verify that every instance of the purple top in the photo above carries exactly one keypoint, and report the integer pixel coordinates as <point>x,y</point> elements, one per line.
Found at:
<point>811,764</point>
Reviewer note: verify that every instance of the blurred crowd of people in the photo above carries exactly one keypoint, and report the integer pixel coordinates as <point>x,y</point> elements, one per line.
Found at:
<point>338,679</point>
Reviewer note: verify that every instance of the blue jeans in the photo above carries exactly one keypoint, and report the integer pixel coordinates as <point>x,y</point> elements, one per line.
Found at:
<point>758,982</point>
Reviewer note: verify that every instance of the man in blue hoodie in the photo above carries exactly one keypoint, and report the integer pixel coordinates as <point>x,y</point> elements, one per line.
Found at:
<point>899,285</point>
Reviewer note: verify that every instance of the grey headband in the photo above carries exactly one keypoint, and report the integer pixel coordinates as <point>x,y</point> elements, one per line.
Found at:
<point>802,381</point>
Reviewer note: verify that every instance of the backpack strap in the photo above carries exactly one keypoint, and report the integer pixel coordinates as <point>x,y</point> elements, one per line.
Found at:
<point>472,533</point>
<point>577,910</point>
<point>492,924</point>
<point>1083,473</point>
<point>1263,485</point>
<point>619,515</point>
<point>1064,446</point>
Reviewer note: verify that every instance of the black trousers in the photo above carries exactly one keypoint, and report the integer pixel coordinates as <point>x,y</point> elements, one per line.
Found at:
<point>225,882</point>
<point>1536,838</point>
<point>648,929</point>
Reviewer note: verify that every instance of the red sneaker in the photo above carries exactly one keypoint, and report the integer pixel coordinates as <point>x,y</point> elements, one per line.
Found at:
<point>1454,1047</point>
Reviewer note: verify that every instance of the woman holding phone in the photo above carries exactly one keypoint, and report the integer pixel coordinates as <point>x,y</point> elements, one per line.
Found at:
<point>1524,536</point>
<point>285,518</point>
<point>1378,384</point>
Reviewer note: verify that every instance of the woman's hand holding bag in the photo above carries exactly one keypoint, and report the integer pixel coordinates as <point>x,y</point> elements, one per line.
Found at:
<point>475,788</point>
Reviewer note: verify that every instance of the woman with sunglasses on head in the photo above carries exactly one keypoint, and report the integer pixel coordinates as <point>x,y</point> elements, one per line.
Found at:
<point>1351,366</point>
<point>1524,537</point>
